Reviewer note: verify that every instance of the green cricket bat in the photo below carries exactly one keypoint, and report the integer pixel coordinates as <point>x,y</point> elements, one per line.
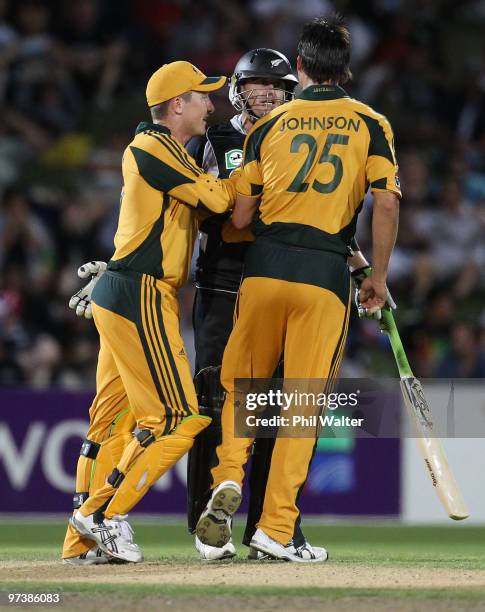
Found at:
<point>418,411</point>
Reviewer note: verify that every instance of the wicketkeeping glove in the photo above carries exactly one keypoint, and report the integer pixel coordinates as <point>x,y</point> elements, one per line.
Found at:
<point>357,277</point>
<point>81,301</point>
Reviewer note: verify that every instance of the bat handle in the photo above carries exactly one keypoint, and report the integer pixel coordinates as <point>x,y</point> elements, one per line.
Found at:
<point>388,326</point>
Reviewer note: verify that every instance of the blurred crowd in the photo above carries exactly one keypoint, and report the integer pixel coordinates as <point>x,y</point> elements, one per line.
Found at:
<point>72,81</point>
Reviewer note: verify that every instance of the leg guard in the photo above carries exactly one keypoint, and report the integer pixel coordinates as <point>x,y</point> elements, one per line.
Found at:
<point>202,456</point>
<point>156,459</point>
<point>108,457</point>
<point>91,474</point>
<point>107,489</point>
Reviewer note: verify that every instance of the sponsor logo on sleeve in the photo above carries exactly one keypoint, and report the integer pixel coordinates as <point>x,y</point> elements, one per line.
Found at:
<point>234,158</point>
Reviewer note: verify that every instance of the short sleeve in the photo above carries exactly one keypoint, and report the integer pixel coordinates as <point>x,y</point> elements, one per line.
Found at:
<point>249,182</point>
<point>381,166</point>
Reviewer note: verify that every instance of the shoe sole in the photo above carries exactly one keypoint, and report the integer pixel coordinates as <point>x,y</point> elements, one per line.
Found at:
<point>287,557</point>
<point>217,532</point>
<point>265,557</point>
<point>225,557</point>
<point>119,561</point>
<point>81,562</point>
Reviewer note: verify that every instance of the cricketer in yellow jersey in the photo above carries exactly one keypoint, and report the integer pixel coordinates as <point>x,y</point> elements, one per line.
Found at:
<point>306,168</point>
<point>135,306</point>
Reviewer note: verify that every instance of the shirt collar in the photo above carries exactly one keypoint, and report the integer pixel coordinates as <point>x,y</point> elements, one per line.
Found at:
<point>322,92</point>
<point>155,127</point>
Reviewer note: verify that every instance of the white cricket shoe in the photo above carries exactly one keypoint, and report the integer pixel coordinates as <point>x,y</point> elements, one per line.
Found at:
<point>114,536</point>
<point>303,554</point>
<point>215,524</point>
<point>94,556</point>
<point>212,553</point>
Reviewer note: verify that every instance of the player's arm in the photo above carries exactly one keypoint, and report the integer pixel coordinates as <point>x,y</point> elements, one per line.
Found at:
<point>381,173</point>
<point>371,290</point>
<point>384,231</point>
<point>217,194</point>
<point>165,165</point>
<point>244,210</point>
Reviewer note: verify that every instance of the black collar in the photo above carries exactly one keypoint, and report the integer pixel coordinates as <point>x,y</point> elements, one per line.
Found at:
<point>144,126</point>
<point>322,92</point>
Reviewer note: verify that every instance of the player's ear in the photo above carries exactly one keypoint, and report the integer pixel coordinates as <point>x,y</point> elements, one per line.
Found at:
<point>177,104</point>
<point>298,63</point>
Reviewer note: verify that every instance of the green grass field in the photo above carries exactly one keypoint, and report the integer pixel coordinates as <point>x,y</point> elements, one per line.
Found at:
<point>360,551</point>
<point>454,547</point>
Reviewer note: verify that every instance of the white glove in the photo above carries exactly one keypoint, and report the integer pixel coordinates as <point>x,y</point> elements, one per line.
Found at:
<point>81,301</point>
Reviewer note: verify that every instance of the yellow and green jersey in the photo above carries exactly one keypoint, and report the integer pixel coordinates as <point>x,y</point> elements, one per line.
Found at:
<point>162,188</point>
<point>311,162</point>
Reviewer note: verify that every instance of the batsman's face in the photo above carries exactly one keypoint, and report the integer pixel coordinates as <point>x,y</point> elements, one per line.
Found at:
<point>196,112</point>
<point>262,95</point>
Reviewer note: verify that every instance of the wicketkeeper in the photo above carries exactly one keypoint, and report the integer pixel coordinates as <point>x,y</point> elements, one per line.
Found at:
<point>134,304</point>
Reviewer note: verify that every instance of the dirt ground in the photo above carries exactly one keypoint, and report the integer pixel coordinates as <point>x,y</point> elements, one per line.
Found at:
<point>267,574</point>
<point>79,603</point>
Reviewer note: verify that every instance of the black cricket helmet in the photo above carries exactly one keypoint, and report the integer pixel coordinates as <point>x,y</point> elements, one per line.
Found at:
<point>261,64</point>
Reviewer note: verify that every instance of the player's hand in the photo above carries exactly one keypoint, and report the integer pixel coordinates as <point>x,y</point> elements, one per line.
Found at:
<point>370,295</point>
<point>81,301</point>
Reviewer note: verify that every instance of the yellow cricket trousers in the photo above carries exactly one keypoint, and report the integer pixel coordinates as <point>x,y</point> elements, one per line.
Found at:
<point>111,424</point>
<point>137,317</point>
<point>309,325</point>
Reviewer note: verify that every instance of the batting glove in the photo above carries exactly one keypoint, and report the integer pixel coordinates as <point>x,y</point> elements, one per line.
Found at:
<point>81,301</point>
<point>357,277</point>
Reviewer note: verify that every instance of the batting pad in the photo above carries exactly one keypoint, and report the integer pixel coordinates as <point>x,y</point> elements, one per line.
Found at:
<point>155,460</point>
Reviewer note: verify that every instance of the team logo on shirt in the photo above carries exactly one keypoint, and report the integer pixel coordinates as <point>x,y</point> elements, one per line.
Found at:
<point>234,158</point>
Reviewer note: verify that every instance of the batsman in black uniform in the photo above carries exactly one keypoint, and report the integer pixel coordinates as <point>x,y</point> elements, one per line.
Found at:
<point>262,80</point>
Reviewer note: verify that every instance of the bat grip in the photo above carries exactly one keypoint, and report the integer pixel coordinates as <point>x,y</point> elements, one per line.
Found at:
<point>388,326</point>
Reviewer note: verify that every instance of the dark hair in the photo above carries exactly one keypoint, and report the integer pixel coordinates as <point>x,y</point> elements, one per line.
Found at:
<point>159,111</point>
<point>324,49</point>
